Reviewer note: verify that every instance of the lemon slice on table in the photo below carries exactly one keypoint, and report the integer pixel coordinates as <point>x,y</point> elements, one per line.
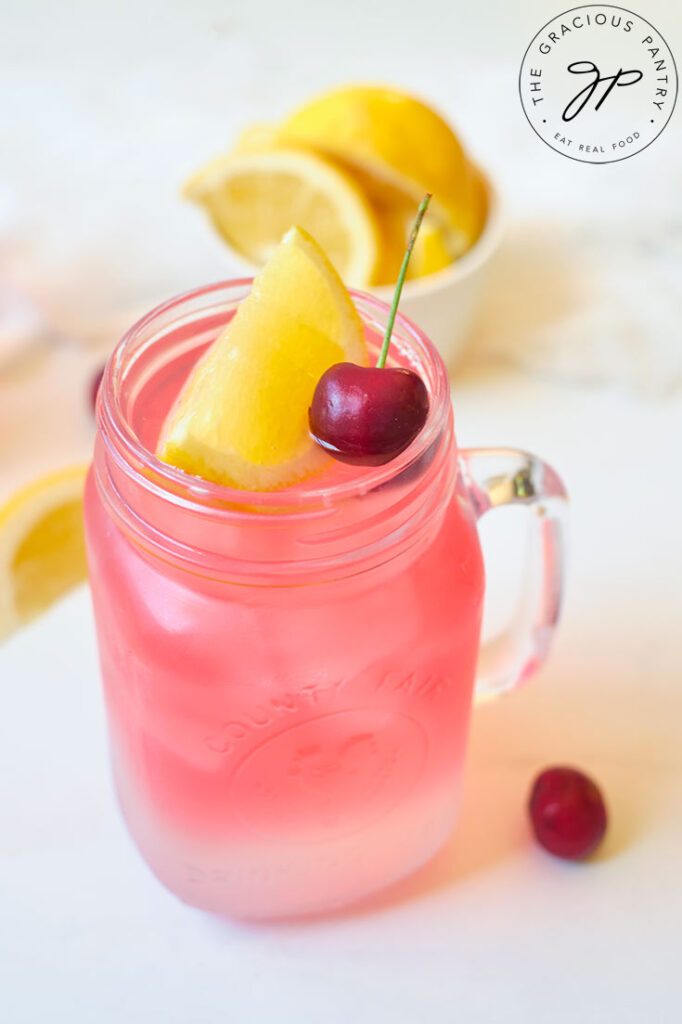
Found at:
<point>42,550</point>
<point>254,196</point>
<point>395,140</point>
<point>242,417</point>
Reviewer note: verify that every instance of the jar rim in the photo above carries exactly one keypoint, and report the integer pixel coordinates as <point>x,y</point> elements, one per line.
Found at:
<point>190,491</point>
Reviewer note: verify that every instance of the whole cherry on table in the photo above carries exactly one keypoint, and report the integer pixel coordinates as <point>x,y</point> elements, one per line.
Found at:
<point>567,812</point>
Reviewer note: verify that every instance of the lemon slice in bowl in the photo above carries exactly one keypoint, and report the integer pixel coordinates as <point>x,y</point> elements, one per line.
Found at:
<point>255,195</point>
<point>258,137</point>
<point>242,417</point>
<point>42,550</point>
<point>431,253</point>
<point>395,140</point>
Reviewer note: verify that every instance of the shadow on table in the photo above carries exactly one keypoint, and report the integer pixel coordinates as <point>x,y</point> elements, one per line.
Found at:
<point>609,708</point>
<point>614,732</point>
<point>536,288</point>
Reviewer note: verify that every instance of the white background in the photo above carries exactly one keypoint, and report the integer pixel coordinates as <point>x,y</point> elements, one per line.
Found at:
<point>105,108</point>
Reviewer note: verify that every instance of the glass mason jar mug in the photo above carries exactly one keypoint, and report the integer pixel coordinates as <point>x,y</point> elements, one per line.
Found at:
<point>288,675</point>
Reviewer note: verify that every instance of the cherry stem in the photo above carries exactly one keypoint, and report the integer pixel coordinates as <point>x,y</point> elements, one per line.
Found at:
<point>381,362</point>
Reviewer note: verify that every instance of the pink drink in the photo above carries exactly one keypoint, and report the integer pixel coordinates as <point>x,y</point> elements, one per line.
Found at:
<point>288,676</point>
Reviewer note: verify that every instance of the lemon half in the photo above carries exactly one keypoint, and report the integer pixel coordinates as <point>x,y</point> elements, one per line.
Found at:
<point>42,550</point>
<point>398,141</point>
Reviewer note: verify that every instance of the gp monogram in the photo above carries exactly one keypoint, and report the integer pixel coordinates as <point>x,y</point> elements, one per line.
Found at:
<point>598,83</point>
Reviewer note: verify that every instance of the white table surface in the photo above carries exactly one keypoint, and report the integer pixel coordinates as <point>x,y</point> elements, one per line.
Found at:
<point>112,104</point>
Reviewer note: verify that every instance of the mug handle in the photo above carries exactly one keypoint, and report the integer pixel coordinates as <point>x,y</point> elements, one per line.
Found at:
<point>495,477</point>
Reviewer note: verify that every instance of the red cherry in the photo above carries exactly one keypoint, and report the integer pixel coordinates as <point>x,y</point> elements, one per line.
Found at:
<point>567,812</point>
<point>94,386</point>
<point>365,415</point>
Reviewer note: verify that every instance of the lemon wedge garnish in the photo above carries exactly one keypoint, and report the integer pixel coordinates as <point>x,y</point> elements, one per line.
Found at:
<point>42,551</point>
<point>242,417</point>
<point>256,194</point>
<point>399,142</point>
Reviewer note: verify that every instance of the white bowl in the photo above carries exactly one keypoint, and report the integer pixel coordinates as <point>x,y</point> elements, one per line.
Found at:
<point>445,304</point>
